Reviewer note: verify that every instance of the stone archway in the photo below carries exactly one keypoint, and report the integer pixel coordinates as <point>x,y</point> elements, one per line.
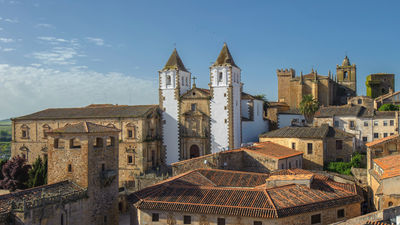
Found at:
<point>194,151</point>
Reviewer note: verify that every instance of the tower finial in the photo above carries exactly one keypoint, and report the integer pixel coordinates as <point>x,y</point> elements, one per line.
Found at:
<point>194,81</point>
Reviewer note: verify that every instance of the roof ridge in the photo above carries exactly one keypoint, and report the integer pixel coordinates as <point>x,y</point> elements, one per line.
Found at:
<point>86,127</point>
<point>271,202</point>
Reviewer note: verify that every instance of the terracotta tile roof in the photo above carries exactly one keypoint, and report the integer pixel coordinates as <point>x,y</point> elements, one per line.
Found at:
<point>382,140</point>
<point>390,166</point>
<point>93,111</point>
<point>272,150</point>
<point>65,189</point>
<point>378,223</point>
<point>84,127</point>
<point>242,194</point>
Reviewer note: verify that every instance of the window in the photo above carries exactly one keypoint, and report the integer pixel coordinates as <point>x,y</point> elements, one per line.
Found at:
<point>290,165</point>
<point>390,204</point>
<point>69,168</point>
<point>221,221</point>
<point>391,122</point>
<point>384,134</point>
<point>391,134</point>
<point>385,123</point>
<point>99,142</point>
<point>339,144</point>
<point>340,213</point>
<point>58,143</point>
<point>257,223</point>
<point>130,159</point>
<point>282,166</point>
<point>375,123</point>
<point>351,125</point>
<point>110,141</point>
<point>168,80</point>
<point>132,130</point>
<point>315,219</point>
<point>376,135</point>
<point>74,143</point>
<point>365,124</point>
<point>187,219</point>
<point>365,139</point>
<point>359,101</point>
<point>220,77</point>
<point>130,133</point>
<point>293,145</point>
<point>46,129</point>
<point>193,106</point>
<point>336,123</point>
<point>309,148</point>
<point>155,217</point>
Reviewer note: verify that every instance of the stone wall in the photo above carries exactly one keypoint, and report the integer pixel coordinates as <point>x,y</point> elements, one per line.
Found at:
<point>382,215</point>
<point>333,153</point>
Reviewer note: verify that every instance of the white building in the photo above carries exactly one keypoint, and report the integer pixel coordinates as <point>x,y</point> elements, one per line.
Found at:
<point>232,117</point>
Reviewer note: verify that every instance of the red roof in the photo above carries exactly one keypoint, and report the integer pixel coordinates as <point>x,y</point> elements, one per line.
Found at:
<point>236,193</point>
<point>273,150</point>
<point>382,140</point>
<point>390,166</point>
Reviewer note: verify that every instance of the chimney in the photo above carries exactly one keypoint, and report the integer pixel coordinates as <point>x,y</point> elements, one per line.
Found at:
<point>280,180</point>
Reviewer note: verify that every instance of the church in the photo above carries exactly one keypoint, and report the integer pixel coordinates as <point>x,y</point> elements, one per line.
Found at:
<point>197,121</point>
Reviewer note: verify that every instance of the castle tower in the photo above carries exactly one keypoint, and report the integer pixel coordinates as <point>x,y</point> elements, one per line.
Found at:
<point>225,84</point>
<point>174,80</point>
<point>87,154</point>
<point>284,77</point>
<point>346,76</point>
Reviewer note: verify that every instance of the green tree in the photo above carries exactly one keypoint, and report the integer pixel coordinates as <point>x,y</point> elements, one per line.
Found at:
<point>38,173</point>
<point>308,107</point>
<point>388,107</point>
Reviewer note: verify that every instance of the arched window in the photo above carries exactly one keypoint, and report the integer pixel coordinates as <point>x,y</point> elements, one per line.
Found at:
<point>168,80</point>
<point>24,131</point>
<point>345,75</point>
<point>46,129</point>
<point>220,77</point>
<point>390,204</point>
<point>25,152</point>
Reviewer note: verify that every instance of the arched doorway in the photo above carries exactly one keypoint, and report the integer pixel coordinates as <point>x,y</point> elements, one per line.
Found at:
<point>194,151</point>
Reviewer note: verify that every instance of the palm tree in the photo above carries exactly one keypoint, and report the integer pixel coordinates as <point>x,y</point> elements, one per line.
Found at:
<point>308,107</point>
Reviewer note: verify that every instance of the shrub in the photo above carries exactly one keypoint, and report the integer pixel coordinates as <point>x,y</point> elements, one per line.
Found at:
<point>15,173</point>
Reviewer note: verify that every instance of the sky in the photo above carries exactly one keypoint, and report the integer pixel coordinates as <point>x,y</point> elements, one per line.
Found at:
<point>72,53</point>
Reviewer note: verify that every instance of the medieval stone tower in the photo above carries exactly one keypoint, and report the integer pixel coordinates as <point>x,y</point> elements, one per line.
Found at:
<point>346,77</point>
<point>174,80</point>
<point>284,78</point>
<point>87,154</point>
<point>225,103</point>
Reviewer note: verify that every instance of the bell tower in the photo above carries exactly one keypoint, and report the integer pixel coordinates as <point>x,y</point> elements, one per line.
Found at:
<point>174,81</point>
<point>225,84</point>
<point>346,76</point>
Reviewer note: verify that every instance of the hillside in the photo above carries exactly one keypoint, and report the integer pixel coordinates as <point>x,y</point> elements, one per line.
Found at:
<point>5,139</point>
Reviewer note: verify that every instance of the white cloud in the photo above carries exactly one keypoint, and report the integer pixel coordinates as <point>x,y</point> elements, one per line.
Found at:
<point>6,40</point>
<point>44,25</point>
<point>8,49</point>
<point>29,89</point>
<point>96,41</point>
<point>57,56</point>
<point>10,20</point>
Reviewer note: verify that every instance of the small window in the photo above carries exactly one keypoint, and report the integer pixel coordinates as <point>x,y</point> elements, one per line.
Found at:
<point>365,139</point>
<point>155,217</point>
<point>309,148</point>
<point>74,143</point>
<point>168,80</point>
<point>257,223</point>
<point>290,165</point>
<point>376,135</point>
<point>221,221</point>
<point>391,122</point>
<point>336,123</point>
<point>293,145</point>
<point>351,125</point>
<point>339,144</point>
<point>365,124</point>
<point>110,141</point>
<point>340,213</point>
<point>282,166</point>
<point>69,168</point>
<point>103,167</point>
<point>56,141</point>
<point>130,159</point>
<point>385,123</point>
<point>99,142</point>
<point>375,123</point>
<point>193,106</point>
<point>315,219</point>
<point>46,129</point>
<point>24,134</point>
<point>390,204</point>
<point>359,101</point>
<point>385,135</point>
<point>220,77</point>
<point>187,219</point>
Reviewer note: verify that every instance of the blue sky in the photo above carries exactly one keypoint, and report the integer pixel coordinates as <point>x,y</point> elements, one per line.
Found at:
<point>73,53</point>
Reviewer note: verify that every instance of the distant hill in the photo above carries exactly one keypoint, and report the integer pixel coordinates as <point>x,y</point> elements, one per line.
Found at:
<point>6,122</point>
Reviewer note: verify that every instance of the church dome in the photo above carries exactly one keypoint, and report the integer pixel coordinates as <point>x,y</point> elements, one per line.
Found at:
<point>346,61</point>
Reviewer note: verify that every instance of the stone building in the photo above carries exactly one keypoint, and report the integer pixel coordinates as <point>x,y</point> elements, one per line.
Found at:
<point>366,124</point>
<point>260,157</point>
<point>209,196</point>
<point>82,181</point>
<point>139,140</point>
<point>327,90</point>
<point>197,121</point>
<point>389,98</point>
<point>320,145</point>
<point>379,84</point>
<point>365,101</point>
<point>384,179</point>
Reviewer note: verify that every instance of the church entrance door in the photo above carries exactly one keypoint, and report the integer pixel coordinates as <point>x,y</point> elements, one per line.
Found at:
<point>194,151</point>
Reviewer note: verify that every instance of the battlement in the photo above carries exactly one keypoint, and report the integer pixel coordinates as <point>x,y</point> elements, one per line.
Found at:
<point>286,72</point>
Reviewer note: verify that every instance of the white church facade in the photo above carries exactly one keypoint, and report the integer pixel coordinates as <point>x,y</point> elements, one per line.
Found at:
<point>198,121</point>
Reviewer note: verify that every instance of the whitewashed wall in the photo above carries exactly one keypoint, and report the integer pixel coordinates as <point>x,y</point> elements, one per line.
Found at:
<point>252,129</point>
<point>285,120</point>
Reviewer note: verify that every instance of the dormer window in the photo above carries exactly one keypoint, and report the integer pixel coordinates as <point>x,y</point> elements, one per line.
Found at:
<point>168,80</point>
<point>220,77</point>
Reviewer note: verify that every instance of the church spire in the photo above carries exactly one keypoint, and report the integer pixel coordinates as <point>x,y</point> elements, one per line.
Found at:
<point>174,62</point>
<point>346,61</point>
<point>225,57</point>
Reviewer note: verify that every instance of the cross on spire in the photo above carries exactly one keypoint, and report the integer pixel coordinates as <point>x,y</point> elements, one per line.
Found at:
<point>194,81</point>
